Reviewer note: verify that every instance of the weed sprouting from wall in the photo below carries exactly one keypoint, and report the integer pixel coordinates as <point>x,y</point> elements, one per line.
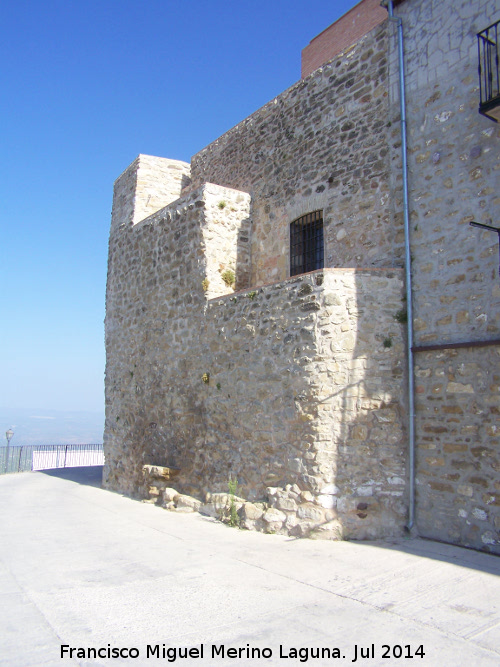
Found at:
<point>401,316</point>
<point>228,277</point>
<point>232,486</point>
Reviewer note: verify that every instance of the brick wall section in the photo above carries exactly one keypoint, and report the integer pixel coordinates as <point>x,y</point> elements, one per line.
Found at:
<point>340,35</point>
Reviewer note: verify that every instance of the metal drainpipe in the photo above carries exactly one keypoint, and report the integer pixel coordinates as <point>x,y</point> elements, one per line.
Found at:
<point>389,5</point>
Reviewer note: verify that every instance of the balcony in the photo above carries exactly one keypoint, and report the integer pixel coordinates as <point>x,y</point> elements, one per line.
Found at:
<point>489,88</point>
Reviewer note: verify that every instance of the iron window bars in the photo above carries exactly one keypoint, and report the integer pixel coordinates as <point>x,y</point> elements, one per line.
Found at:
<point>489,78</point>
<point>306,243</point>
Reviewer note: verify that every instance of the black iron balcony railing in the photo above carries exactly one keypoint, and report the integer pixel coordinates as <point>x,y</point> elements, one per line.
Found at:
<point>489,76</point>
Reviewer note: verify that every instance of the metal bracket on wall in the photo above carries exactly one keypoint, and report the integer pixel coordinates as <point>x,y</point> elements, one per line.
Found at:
<point>491,229</point>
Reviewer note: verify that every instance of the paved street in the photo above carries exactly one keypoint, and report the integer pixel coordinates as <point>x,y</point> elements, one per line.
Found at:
<point>84,568</point>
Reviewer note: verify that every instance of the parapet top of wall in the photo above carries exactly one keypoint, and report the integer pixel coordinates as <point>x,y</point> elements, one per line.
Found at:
<point>146,186</point>
<point>318,276</point>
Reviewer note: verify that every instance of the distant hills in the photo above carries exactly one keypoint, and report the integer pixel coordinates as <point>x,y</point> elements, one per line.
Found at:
<point>51,427</point>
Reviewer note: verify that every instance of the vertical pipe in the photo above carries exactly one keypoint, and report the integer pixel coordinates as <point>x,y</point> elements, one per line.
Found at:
<point>409,300</point>
<point>479,69</point>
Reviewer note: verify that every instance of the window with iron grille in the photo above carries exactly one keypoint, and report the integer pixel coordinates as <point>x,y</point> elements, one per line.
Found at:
<point>306,243</point>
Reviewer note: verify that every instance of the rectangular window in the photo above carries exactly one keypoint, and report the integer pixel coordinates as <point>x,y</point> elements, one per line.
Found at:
<point>306,243</point>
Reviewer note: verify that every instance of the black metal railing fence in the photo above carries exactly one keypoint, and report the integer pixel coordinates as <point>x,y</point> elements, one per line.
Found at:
<point>22,458</point>
<point>489,74</point>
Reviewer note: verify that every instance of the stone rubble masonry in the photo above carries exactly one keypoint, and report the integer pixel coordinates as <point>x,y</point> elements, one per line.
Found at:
<point>454,171</point>
<point>350,28</point>
<point>296,386</point>
<point>295,383</point>
<point>322,144</point>
<point>147,185</point>
<point>458,408</point>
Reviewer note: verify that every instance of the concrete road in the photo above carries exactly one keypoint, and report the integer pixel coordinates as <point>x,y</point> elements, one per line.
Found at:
<point>85,569</point>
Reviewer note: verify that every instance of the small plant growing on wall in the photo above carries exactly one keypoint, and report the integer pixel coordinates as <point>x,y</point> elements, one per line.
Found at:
<point>228,277</point>
<point>387,342</point>
<point>252,295</point>
<point>206,378</point>
<point>205,283</point>
<point>222,204</point>
<point>232,486</point>
<point>401,316</point>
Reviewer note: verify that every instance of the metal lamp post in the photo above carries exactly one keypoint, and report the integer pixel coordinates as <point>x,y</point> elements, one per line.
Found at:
<point>8,434</point>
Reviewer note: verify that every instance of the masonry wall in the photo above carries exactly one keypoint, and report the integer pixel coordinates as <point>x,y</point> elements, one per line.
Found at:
<point>159,278</point>
<point>146,186</point>
<point>306,389</point>
<point>323,144</point>
<point>324,349</point>
<point>454,171</point>
<point>295,388</point>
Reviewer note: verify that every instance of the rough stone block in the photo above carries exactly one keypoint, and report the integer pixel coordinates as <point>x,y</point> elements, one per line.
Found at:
<point>183,502</point>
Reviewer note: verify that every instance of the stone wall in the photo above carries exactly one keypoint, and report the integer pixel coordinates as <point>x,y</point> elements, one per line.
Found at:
<point>454,170</point>
<point>458,408</point>
<point>160,275</point>
<point>295,384</point>
<point>146,186</point>
<point>322,144</point>
<point>306,389</point>
<point>297,387</point>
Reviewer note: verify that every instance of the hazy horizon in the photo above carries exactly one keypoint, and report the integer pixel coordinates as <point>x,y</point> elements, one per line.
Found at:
<point>36,426</point>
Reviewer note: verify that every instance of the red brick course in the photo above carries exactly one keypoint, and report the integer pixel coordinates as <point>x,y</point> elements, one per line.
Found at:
<point>346,31</point>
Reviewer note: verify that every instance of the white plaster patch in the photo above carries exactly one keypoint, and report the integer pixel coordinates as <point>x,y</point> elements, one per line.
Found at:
<point>458,388</point>
<point>330,489</point>
<point>327,501</point>
<point>442,117</point>
<point>479,514</point>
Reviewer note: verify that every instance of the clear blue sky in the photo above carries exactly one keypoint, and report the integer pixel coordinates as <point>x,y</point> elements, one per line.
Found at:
<point>86,87</point>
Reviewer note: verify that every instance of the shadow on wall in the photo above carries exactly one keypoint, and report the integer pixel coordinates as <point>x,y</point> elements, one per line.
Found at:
<point>243,254</point>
